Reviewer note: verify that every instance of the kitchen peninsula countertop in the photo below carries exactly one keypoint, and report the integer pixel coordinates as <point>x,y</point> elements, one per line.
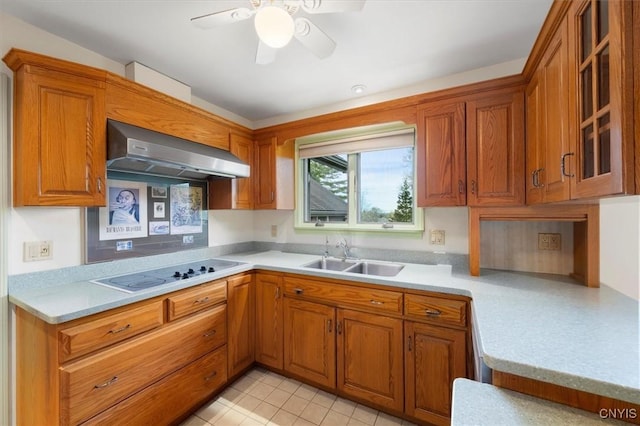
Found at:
<point>544,327</point>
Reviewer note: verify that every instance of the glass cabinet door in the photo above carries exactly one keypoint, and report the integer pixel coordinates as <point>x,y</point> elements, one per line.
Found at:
<point>594,147</point>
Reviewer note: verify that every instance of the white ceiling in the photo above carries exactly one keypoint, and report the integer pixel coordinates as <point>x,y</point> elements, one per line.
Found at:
<point>388,45</point>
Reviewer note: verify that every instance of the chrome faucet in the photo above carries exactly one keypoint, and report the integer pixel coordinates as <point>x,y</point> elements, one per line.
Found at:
<point>345,248</point>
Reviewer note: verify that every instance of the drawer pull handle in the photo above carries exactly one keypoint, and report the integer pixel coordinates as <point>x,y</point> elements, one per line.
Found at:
<point>120,330</point>
<point>432,312</point>
<point>107,383</point>
<point>329,326</point>
<point>203,300</point>
<point>211,376</point>
<point>210,333</point>
<point>298,290</point>
<point>376,302</point>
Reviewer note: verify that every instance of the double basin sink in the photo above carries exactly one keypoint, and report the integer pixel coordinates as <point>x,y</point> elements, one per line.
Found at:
<point>364,267</point>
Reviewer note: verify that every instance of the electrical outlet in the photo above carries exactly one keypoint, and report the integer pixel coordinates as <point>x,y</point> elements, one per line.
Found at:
<point>274,230</point>
<point>548,241</point>
<point>437,237</point>
<point>37,250</point>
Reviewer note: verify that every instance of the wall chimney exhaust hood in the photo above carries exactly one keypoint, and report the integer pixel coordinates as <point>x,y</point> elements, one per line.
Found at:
<point>133,149</point>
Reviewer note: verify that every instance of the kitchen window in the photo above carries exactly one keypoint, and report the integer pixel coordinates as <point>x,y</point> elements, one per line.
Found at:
<point>358,180</point>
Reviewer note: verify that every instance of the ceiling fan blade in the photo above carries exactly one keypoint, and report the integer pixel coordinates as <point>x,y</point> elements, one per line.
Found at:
<point>332,6</point>
<point>313,38</point>
<point>222,18</point>
<point>265,54</point>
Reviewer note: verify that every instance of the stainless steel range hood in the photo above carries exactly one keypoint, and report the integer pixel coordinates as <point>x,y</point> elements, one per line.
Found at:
<point>133,149</point>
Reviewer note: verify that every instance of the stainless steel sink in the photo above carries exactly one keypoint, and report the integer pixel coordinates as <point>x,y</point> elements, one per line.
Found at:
<point>330,264</point>
<point>364,267</point>
<point>374,268</point>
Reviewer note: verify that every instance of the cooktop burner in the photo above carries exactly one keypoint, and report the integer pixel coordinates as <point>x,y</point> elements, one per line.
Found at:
<point>147,279</point>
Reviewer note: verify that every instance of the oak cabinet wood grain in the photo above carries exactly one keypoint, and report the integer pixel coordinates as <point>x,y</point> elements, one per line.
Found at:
<point>241,310</point>
<point>274,174</point>
<point>59,150</point>
<point>309,341</point>
<point>237,194</point>
<point>435,356</point>
<point>495,148</point>
<point>370,358</point>
<point>269,320</point>
<point>441,152</point>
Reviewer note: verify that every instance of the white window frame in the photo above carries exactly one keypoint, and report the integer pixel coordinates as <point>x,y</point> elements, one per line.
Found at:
<point>347,136</point>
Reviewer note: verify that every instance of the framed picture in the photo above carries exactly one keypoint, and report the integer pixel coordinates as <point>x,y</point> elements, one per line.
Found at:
<point>158,210</point>
<point>158,192</point>
<point>126,214</point>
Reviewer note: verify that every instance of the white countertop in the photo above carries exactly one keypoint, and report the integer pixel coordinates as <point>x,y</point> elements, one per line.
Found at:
<point>547,328</point>
<point>480,404</point>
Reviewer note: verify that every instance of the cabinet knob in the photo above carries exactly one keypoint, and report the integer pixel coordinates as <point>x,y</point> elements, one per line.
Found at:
<point>298,290</point>
<point>210,333</point>
<point>203,300</point>
<point>211,376</point>
<point>473,186</point>
<point>376,302</point>
<point>99,184</point>
<point>460,186</point>
<point>432,312</point>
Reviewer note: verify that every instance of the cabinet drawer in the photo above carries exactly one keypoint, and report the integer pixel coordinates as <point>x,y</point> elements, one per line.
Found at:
<point>92,384</point>
<point>170,398</point>
<point>446,311</point>
<point>84,338</point>
<point>339,294</point>
<point>195,299</point>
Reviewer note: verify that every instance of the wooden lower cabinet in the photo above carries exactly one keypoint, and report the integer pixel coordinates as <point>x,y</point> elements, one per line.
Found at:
<point>309,341</point>
<point>370,358</point>
<point>269,324</point>
<point>241,320</point>
<point>172,398</point>
<point>435,356</point>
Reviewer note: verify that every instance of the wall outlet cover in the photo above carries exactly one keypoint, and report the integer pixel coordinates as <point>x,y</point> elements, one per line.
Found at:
<point>437,237</point>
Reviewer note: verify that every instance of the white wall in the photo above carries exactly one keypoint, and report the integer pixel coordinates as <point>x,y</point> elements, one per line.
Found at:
<point>620,244</point>
<point>454,220</point>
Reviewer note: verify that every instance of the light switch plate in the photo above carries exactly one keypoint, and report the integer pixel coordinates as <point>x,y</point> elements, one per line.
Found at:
<point>437,237</point>
<point>37,250</point>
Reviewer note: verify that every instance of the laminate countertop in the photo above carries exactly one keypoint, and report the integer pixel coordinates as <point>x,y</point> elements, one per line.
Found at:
<point>544,327</point>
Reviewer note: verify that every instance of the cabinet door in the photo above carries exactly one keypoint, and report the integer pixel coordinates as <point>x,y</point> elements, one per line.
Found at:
<point>265,176</point>
<point>534,141</point>
<point>435,356</point>
<point>309,341</point>
<point>554,69</point>
<point>603,77</point>
<point>234,193</point>
<point>59,141</point>
<point>441,155</point>
<point>241,308</point>
<point>370,359</point>
<point>269,337</point>
<point>495,149</point>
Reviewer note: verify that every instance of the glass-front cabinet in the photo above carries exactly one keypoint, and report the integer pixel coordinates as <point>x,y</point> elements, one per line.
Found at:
<point>603,78</point>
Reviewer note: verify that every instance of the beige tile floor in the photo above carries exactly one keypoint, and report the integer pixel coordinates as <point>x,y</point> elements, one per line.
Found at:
<point>261,397</point>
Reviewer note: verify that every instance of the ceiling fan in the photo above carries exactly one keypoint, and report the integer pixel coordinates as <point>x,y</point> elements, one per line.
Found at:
<point>275,25</point>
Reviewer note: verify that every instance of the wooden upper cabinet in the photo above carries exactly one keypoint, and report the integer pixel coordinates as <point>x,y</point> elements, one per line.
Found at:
<point>441,153</point>
<point>274,174</point>
<point>237,193</point>
<point>59,149</point>
<point>548,111</point>
<point>602,72</point>
<point>495,148</point>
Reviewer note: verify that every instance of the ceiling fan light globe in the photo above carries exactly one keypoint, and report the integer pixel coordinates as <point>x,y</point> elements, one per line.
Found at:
<point>274,26</point>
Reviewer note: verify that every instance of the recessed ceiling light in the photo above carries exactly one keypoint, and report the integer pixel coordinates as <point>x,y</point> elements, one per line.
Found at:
<point>358,88</point>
